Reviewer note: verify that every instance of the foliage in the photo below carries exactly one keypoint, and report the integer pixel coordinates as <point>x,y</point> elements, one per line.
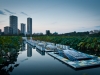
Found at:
<point>77,42</point>
<point>9,44</point>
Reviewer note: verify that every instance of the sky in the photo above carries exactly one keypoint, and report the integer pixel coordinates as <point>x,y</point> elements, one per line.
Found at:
<point>62,16</point>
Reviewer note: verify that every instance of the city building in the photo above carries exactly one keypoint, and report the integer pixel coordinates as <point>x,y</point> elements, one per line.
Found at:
<point>19,31</point>
<point>23,28</point>
<point>7,30</point>
<point>94,31</point>
<point>14,24</point>
<point>29,26</point>
<point>0,31</point>
<point>55,33</point>
<point>91,32</point>
<point>48,32</point>
<point>37,33</point>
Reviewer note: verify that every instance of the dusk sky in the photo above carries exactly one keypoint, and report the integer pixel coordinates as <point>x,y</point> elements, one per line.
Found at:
<point>60,16</point>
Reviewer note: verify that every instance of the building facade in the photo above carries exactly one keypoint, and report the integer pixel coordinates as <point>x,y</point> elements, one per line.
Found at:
<point>19,31</point>
<point>23,28</point>
<point>7,30</point>
<point>14,24</point>
<point>29,26</point>
<point>48,32</point>
<point>94,31</point>
<point>0,31</point>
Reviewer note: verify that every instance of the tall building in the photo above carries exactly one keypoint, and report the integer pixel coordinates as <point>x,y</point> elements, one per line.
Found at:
<point>7,30</point>
<point>0,31</point>
<point>23,28</point>
<point>47,32</point>
<point>29,26</point>
<point>19,31</point>
<point>14,24</point>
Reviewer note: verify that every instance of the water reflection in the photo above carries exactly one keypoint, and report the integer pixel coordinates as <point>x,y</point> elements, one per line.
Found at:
<point>42,53</point>
<point>24,59</point>
<point>39,65</point>
<point>29,50</point>
<point>8,66</point>
<point>23,48</point>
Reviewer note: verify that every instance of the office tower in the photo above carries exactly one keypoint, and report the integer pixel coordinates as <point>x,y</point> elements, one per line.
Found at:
<point>14,24</point>
<point>19,31</point>
<point>29,51</point>
<point>47,32</point>
<point>29,26</point>
<point>23,28</point>
<point>7,30</point>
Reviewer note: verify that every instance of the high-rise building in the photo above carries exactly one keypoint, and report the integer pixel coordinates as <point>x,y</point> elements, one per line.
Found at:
<point>19,31</point>
<point>0,31</point>
<point>14,24</point>
<point>23,28</point>
<point>7,30</point>
<point>47,32</point>
<point>29,26</point>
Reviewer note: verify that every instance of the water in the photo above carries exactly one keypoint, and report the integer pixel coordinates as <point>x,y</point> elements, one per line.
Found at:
<point>33,62</point>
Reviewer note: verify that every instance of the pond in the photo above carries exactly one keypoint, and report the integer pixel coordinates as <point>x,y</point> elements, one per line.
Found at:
<point>31,61</point>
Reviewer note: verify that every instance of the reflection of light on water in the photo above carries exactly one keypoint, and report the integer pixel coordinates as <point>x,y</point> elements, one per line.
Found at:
<point>42,53</point>
<point>20,52</point>
<point>23,48</point>
<point>16,65</point>
<point>9,68</point>
<point>29,50</point>
<point>24,60</point>
<point>34,67</point>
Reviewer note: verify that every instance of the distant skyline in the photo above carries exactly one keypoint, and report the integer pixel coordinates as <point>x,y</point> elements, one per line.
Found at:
<point>60,16</point>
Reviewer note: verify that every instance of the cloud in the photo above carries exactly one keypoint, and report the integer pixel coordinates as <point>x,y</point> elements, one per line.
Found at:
<point>2,21</point>
<point>9,11</point>
<point>54,23</point>
<point>2,13</point>
<point>24,13</point>
<point>82,27</point>
<point>97,26</point>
